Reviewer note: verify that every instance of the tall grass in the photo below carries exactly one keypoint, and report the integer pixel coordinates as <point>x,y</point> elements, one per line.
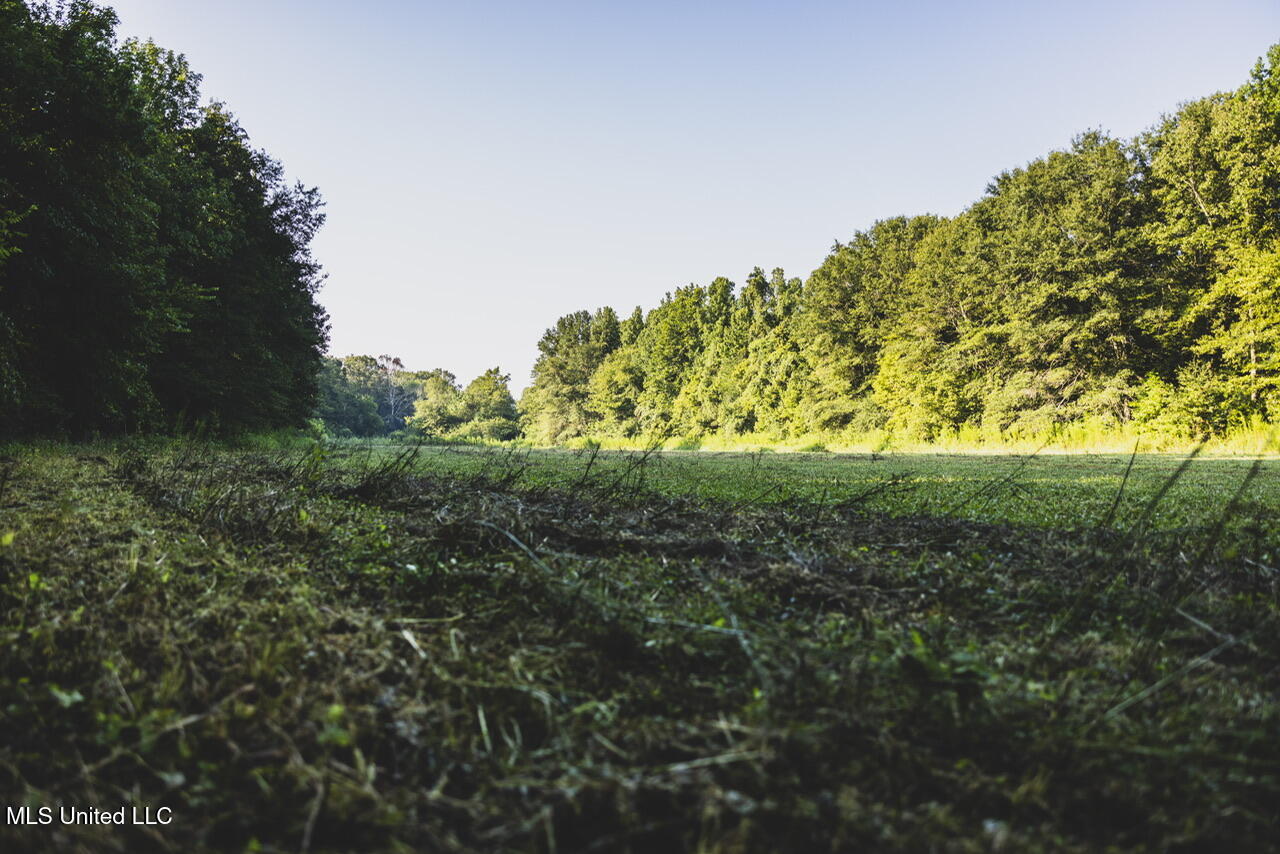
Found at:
<point>1245,439</point>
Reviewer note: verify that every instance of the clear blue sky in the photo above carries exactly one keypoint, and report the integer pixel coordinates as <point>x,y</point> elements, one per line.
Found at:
<point>490,166</point>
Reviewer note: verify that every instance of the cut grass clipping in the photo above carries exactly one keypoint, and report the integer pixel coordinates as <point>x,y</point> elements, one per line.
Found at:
<point>335,649</point>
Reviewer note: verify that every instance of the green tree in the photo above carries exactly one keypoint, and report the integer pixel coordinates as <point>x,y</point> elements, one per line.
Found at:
<point>849,303</point>
<point>344,411</point>
<point>155,267</point>
<point>555,404</point>
<point>487,409</point>
<point>1106,282</point>
<point>437,409</point>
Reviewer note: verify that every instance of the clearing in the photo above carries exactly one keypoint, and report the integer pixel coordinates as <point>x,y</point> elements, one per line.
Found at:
<point>338,648</point>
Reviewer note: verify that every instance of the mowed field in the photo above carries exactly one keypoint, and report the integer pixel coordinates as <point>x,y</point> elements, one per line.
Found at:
<point>1073,490</point>
<point>352,648</point>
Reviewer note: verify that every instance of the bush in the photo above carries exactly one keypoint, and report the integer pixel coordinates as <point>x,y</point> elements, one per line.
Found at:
<point>1201,403</point>
<point>488,429</point>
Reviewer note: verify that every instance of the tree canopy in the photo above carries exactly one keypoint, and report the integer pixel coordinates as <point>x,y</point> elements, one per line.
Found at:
<point>155,272</point>
<point>1109,282</point>
<point>154,266</point>
<point>362,396</point>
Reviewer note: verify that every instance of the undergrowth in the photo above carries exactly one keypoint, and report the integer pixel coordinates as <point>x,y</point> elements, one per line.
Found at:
<point>1248,439</point>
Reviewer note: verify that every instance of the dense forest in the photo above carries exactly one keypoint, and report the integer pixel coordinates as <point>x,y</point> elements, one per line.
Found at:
<point>1112,283</point>
<point>154,266</point>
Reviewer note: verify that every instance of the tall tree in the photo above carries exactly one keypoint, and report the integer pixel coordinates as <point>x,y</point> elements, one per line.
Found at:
<point>155,267</point>
<point>568,354</point>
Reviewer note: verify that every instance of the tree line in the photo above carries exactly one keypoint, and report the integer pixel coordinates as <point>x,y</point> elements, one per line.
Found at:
<point>363,396</point>
<point>155,273</point>
<point>154,265</point>
<point>1114,282</point>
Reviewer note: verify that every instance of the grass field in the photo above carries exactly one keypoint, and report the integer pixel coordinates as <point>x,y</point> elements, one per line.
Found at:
<point>339,648</point>
<point>1054,490</point>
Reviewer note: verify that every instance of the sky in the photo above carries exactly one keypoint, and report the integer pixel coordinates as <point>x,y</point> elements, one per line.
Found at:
<point>490,166</point>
